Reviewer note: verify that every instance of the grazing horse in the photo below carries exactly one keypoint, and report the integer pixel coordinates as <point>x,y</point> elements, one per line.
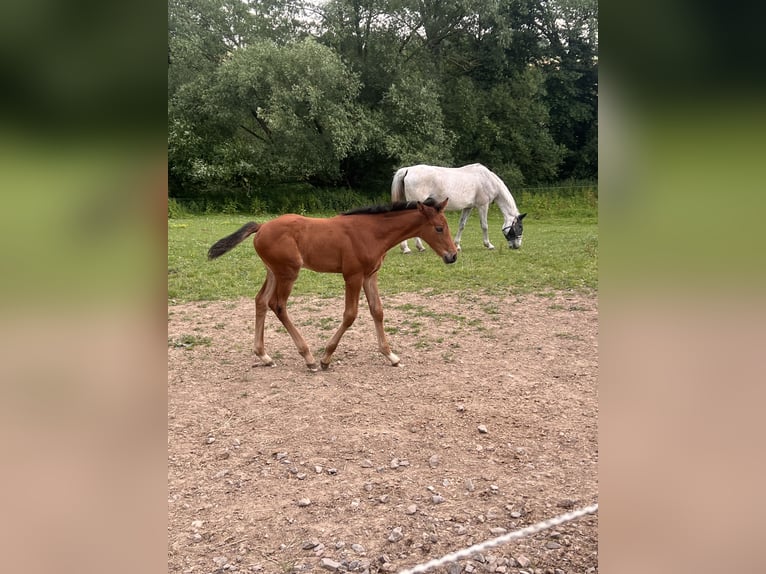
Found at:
<point>466,187</point>
<point>354,244</point>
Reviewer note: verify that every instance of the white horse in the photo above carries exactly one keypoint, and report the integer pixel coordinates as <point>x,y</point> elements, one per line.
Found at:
<point>466,187</point>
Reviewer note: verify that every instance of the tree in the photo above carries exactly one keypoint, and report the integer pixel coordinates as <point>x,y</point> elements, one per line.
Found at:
<point>274,112</point>
<point>345,91</point>
<point>569,29</point>
<point>415,131</point>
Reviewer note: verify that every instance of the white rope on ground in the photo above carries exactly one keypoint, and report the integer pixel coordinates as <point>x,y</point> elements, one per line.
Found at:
<point>504,539</point>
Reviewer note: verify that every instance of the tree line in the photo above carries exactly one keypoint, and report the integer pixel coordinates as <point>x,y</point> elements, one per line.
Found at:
<point>270,95</point>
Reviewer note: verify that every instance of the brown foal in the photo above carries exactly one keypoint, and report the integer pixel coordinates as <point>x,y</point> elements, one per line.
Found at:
<point>353,244</point>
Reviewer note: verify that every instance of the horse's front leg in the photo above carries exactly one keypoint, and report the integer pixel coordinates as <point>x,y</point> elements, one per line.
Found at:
<point>353,287</point>
<point>461,225</point>
<point>483,209</point>
<point>376,310</point>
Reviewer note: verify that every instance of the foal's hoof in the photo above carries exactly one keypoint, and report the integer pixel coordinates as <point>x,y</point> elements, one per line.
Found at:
<point>312,367</point>
<point>325,366</point>
<point>264,360</point>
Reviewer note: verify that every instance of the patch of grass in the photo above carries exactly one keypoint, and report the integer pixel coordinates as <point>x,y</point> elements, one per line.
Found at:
<point>411,327</point>
<point>189,341</point>
<point>548,294</point>
<point>491,309</point>
<point>422,344</point>
<point>558,253</point>
<point>566,336</point>
<point>323,323</point>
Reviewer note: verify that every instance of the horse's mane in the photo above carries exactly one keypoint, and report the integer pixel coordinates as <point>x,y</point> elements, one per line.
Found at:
<point>388,207</point>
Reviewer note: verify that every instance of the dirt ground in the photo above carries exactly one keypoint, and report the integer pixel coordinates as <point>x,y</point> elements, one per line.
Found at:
<point>372,468</point>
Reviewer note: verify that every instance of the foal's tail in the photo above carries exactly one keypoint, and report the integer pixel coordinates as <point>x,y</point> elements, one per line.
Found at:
<point>397,186</point>
<point>231,241</point>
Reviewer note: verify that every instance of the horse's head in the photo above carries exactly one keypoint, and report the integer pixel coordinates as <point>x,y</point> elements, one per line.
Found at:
<point>435,230</point>
<point>514,232</point>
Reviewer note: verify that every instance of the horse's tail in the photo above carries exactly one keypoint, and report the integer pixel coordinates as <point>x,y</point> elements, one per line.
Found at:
<point>231,241</point>
<point>397,186</point>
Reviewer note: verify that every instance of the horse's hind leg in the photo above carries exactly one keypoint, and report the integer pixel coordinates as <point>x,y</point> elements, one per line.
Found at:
<point>419,244</point>
<point>405,247</point>
<point>278,304</point>
<point>261,307</point>
<point>376,310</point>
<point>484,225</point>
<point>461,225</point>
<point>353,286</point>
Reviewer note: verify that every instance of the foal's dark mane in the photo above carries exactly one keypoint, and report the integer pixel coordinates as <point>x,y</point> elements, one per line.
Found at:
<point>388,207</point>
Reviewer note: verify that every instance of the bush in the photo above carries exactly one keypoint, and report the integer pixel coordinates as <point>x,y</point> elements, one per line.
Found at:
<point>175,209</point>
<point>575,199</point>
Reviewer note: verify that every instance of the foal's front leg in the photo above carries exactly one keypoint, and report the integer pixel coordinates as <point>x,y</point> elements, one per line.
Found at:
<point>353,287</point>
<point>376,310</point>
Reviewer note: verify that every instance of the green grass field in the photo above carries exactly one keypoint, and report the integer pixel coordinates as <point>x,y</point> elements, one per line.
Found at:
<point>557,253</point>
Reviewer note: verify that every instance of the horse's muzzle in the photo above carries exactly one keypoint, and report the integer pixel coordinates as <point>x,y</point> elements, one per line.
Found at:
<point>449,257</point>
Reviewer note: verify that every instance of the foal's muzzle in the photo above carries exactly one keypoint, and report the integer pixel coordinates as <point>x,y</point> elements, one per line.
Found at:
<point>449,257</point>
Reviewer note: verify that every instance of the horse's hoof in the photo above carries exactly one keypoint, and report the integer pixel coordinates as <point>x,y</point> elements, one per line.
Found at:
<point>313,367</point>
<point>325,366</point>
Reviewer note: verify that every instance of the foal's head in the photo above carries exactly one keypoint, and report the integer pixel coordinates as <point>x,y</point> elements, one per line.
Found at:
<point>435,230</point>
<point>514,232</point>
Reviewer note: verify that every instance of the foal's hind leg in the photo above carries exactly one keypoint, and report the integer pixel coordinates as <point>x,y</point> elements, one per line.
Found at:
<point>261,307</point>
<point>278,304</point>
<point>376,310</point>
<point>353,286</point>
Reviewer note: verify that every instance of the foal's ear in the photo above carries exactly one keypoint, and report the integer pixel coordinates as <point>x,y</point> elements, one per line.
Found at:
<point>442,205</point>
